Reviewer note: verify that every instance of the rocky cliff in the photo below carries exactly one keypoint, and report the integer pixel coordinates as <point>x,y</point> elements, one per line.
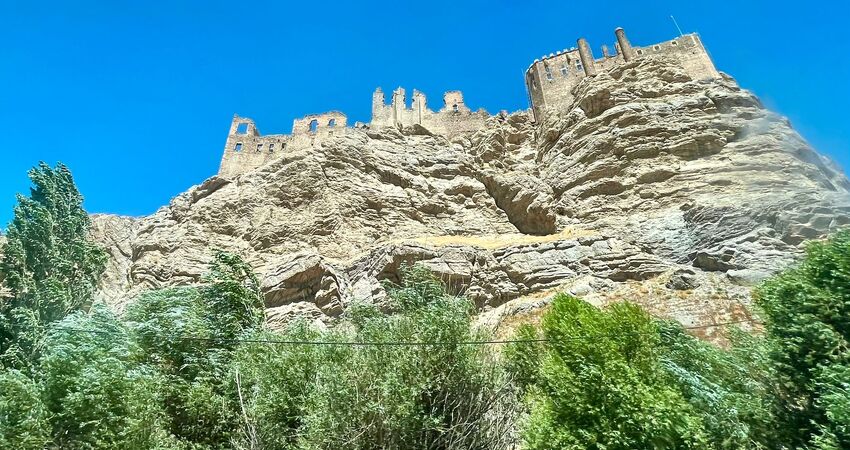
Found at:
<point>676,193</point>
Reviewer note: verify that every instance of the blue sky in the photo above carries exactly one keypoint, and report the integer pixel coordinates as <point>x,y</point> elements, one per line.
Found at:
<point>136,97</point>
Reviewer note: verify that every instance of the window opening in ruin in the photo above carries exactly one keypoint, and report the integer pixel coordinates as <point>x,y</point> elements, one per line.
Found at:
<point>314,125</point>
<point>674,43</point>
<point>655,47</point>
<point>548,72</point>
<point>454,107</point>
<point>564,70</point>
<point>242,128</point>
<point>271,147</point>
<point>259,148</point>
<point>332,123</point>
<point>579,67</point>
<point>640,52</point>
<point>238,147</point>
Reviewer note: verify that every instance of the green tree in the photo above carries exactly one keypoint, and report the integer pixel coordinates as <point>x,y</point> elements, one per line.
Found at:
<point>600,384</point>
<point>23,418</point>
<point>732,390</point>
<point>833,388</point>
<point>48,263</point>
<point>232,297</point>
<point>274,383</point>
<point>189,336</point>
<point>97,398</point>
<point>808,323</point>
<point>444,395</point>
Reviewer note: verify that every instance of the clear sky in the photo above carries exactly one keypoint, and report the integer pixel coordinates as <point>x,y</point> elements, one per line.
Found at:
<point>136,97</point>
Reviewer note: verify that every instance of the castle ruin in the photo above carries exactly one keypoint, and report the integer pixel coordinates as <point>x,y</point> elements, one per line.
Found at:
<point>454,117</point>
<point>549,81</point>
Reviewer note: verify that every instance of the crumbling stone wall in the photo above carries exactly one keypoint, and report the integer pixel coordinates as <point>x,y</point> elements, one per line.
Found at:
<point>246,149</point>
<point>452,119</point>
<point>319,123</point>
<point>551,79</point>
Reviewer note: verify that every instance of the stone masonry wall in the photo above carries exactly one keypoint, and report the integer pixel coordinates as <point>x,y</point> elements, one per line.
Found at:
<point>551,79</point>
<point>452,119</point>
<point>246,149</point>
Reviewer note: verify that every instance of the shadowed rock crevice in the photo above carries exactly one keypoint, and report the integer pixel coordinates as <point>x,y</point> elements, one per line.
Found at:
<point>525,205</point>
<point>649,186</point>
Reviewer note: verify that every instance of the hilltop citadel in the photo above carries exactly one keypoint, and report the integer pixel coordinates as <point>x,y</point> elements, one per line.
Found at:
<point>549,82</point>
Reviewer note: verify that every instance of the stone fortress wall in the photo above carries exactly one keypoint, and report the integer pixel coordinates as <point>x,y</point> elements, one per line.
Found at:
<point>549,81</point>
<point>452,119</point>
<point>246,149</point>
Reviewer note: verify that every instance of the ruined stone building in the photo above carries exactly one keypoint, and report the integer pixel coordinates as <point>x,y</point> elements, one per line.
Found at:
<point>549,81</point>
<point>246,149</point>
<point>452,119</point>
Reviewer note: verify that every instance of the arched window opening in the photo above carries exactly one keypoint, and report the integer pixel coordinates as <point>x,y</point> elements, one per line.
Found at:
<point>314,125</point>
<point>564,70</point>
<point>331,123</point>
<point>454,108</point>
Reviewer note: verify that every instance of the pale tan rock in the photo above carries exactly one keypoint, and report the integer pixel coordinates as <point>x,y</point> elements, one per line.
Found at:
<point>647,174</point>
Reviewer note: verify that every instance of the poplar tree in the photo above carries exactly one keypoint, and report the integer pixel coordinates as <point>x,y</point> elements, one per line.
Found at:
<point>49,265</point>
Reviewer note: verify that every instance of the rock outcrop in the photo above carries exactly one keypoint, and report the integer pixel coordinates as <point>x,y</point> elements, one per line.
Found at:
<point>688,190</point>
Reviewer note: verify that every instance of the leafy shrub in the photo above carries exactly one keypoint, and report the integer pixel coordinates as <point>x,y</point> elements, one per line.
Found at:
<point>600,384</point>
<point>730,389</point>
<point>95,396</point>
<point>188,335</point>
<point>808,324</point>
<point>446,394</point>
<point>23,418</point>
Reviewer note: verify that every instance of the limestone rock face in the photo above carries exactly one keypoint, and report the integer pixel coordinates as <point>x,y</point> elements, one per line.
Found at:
<point>652,187</point>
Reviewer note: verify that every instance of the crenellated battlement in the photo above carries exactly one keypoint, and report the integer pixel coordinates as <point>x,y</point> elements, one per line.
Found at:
<point>452,119</point>
<point>551,79</point>
<point>246,149</point>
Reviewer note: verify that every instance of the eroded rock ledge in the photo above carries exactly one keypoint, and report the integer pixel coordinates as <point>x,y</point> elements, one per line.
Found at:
<point>651,183</point>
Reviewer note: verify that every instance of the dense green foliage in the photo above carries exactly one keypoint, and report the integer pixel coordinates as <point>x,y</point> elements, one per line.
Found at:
<point>96,396</point>
<point>23,419</point>
<point>188,336</point>
<point>600,384</point>
<point>442,395</point>
<point>617,379</point>
<point>193,368</point>
<point>731,390</point>
<point>808,312</point>
<point>48,263</point>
